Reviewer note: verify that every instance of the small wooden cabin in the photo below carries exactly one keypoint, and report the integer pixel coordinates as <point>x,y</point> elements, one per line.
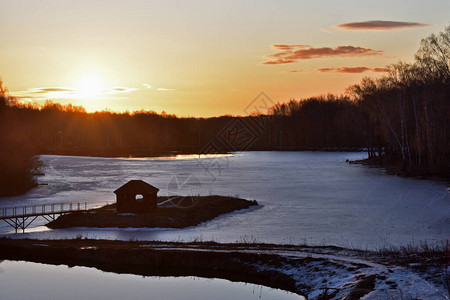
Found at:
<point>136,196</point>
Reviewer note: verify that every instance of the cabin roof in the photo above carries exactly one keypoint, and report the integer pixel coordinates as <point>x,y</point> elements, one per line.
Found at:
<point>136,187</point>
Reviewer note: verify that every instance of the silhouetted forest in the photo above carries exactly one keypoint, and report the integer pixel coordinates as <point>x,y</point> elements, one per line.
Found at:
<point>17,161</point>
<point>405,115</point>
<point>402,118</point>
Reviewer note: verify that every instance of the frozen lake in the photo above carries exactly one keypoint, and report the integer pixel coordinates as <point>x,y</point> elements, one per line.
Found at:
<point>312,197</point>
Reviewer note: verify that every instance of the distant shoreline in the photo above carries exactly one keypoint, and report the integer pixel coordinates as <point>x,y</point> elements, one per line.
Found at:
<point>193,151</point>
<point>394,168</point>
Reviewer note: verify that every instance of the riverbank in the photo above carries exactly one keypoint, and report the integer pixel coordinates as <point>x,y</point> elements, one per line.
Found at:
<point>317,272</point>
<point>176,212</point>
<point>134,152</point>
<point>174,151</point>
<point>396,168</point>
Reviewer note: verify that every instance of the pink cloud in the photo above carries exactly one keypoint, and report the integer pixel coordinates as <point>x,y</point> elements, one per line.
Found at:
<point>351,70</point>
<point>380,25</point>
<point>295,53</point>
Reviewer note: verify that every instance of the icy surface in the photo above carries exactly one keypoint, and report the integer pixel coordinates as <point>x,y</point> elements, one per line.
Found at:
<point>312,197</point>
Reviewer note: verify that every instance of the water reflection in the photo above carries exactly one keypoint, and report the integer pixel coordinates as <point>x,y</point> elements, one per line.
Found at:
<point>26,280</point>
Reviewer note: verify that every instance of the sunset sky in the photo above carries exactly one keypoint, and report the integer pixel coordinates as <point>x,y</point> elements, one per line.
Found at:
<point>202,58</point>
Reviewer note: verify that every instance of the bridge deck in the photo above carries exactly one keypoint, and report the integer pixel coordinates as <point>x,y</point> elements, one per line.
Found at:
<point>17,217</point>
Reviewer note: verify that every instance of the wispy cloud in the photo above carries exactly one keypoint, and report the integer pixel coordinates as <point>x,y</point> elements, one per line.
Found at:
<point>289,47</point>
<point>116,90</point>
<point>45,93</point>
<point>54,89</point>
<point>294,53</point>
<point>352,70</point>
<point>148,86</point>
<point>49,93</point>
<point>379,25</point>
<point>296,71</point>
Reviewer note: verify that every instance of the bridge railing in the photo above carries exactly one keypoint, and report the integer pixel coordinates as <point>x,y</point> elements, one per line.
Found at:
<point>52,208</point>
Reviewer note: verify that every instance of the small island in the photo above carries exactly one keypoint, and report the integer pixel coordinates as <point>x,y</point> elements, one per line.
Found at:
<point>172,212</point>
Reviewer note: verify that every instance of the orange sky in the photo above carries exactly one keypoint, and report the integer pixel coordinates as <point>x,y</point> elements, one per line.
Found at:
<point>202,58</point>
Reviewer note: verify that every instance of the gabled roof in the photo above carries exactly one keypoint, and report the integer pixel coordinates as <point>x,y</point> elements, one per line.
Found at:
<point>136,187</point>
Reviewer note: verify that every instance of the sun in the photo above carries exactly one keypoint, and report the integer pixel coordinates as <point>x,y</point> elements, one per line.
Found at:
<point>90,86</point>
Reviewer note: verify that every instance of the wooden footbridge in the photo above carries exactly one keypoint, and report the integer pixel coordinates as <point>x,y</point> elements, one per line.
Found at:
<point>21,217</point>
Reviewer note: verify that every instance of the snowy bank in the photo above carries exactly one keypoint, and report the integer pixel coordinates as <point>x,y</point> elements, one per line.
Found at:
<point>316,272</point>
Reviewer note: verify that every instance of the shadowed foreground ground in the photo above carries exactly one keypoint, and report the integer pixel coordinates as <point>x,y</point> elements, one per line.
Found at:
<point>318,272</point>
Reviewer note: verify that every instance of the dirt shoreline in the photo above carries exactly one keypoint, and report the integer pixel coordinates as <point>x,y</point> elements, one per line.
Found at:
<point>177,213</point>
<point>325,272</point>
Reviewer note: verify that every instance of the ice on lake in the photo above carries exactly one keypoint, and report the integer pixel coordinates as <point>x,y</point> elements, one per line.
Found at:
<point>312,197</point>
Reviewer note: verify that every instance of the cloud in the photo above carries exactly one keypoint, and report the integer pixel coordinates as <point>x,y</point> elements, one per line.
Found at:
<point>379,25</point>
<point>44,93</point>
<point>289,47</point>
<point>351,70</point>
<point>53,89</point>
<point>116,90</point>
<point>148,86</point>
<point>295,53</point>
<point>381,70</point>
<point>296,71</point>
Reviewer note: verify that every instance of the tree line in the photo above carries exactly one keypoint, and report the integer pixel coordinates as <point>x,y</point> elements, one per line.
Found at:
<point>402,118</point>
<point>405,114</point>
<point>17,154</point>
